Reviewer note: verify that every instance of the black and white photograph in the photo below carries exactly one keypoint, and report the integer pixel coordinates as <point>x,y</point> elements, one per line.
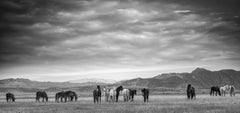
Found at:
<point>119,56</point>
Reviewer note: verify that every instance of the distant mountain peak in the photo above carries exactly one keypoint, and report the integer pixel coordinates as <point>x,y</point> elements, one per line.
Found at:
<point>200,70</point>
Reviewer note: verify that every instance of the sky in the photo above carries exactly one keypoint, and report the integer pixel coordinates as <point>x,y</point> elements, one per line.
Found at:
<point>60,40</point>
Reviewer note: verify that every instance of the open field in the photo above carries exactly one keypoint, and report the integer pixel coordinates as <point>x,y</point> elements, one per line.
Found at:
<point>157,104</point>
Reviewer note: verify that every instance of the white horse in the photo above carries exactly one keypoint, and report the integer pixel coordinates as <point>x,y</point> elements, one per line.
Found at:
<point>126,95</point>
<point>106,93</point>
<point>112,94</point>
<point>223,91</point>
<point>228,89</point>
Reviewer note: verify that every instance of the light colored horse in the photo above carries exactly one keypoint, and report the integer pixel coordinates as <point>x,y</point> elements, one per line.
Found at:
<point>126,95</point>
<point>112,94</point>
<point>106,93</point>
<point>228,89</point>
<point>223,91</point>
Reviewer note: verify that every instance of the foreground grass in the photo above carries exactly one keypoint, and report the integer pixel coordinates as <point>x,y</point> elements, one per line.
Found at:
<point>157,104</point>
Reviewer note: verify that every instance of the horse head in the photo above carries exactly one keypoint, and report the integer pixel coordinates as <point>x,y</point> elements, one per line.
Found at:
<point>120,88</point>
<point>98,86</point>
<point>188,86</point>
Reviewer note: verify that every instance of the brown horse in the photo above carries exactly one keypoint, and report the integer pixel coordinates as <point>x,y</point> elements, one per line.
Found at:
<point>41,94</point>
<point>97,95</point>
<point>132,93</point>
<point>191,92</point>
<point>145,93</point>
<point>67,95</point>
<point>215,90</point>
<point>120,88</point>
<point>10,97</point>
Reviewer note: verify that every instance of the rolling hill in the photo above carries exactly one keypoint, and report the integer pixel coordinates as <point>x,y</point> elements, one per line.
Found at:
<point>200,78</point>
<point>26,85</point>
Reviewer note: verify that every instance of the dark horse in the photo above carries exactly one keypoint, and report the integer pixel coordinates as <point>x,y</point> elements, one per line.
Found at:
<point>70,95</point>
<point>97,94</point>
<point>41,94</point>
<point>120,88</point>
<point>132,93</point>
<point>215,90</point>
<point>59,95</point>
<point>10,97</point>
<point>191,92</point>
<point>145,93</point>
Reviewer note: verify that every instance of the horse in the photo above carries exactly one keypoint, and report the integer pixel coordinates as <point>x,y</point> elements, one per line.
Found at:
<point>41,94</point>
<point>10,97</point>
<point>215,90</point>
<point>106,94</point>
<point>112,94</point>
<point>97,95</point>
<point>228,89</point>
<point>132,93</point>
<point>191,92</point>
<point>232,91</point>
<point>59,95</point>
<point>126,95</point>
<point>145,93</point>
<point>223,91</point>
<point>120,88</point>
<point>70,95</point>
<point>67,96</point>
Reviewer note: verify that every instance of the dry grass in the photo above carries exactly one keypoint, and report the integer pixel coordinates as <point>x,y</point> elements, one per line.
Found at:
<point>157,104</point>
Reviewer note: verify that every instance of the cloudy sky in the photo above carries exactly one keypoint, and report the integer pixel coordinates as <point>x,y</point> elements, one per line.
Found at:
<point>60,40</point>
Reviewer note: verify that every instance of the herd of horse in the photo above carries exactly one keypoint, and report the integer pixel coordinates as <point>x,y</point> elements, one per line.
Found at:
<point>112,94</point>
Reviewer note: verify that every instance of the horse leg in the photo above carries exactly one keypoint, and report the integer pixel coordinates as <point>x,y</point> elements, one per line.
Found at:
<point>106,98</point>
<point>36,99</point>
<point>110,99</point>
<point>100,99</point>
<point>97,99</point>
<point>117,97</point>
<point>65,100</point>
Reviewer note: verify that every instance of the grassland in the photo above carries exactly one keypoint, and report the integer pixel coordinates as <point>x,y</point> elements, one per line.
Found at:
<point>157,104</point>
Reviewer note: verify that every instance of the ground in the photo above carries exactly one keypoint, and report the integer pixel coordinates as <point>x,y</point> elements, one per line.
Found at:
<point>156,104</point>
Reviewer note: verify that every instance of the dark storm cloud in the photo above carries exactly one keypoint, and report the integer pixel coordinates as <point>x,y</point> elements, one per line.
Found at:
<point>21,22</point>
<point>117,33</point>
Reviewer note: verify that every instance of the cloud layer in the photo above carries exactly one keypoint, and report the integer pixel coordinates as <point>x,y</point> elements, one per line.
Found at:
<point>58,36</point>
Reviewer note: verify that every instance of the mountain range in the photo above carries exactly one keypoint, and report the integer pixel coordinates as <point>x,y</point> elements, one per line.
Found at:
<point>93,80</point>
<point>200,78</point>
